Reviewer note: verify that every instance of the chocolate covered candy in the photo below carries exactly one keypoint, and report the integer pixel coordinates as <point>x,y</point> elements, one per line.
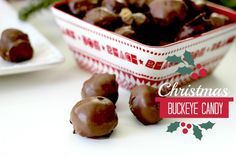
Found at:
<point>104,18</point>
<point>166,12</point>
<point>146,30</point>
<point>114,5</point>
<point>15,46</point>
<point>80,7</point>
<point>101,85</point>
<point>138,5</point>
<point>143,105</point>
<point>155,22</point>
<point>196,6</point>
<point>94,117</point>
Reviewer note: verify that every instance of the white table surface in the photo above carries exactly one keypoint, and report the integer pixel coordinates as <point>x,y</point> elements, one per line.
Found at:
<point>35,109</point>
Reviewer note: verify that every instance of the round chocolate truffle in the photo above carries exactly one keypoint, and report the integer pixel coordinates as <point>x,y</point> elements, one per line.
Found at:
<point>94,117</point>
<point>103,17</point>
<point>114,5</point>
<point>138,5</point>
<point>15,46</point>
<point>101,85</point>
<point>79,8</point>
<point>196,6</point>
<point>166,12</point>
<point>143,105</point>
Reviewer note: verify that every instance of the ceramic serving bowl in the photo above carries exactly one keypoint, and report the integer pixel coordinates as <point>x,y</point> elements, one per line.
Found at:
<point>98,50</point>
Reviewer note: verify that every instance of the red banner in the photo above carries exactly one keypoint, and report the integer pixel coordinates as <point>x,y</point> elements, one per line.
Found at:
<point>194,107</point>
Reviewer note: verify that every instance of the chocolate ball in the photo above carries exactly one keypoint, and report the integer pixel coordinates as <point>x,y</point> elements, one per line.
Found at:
<point>143,105</point>
<point>101,85</point>
<point>15,46</point>
<point>196,6</point>
<point>138,5</point>
<point>146,30</point>
<point>166,12</point>
<point>79,8</point>
<point>104,18</point>
<point>94,117</point>
<point>114,5</point>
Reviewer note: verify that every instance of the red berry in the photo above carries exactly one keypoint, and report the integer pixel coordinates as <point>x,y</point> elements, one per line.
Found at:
<point>199,66</point>
<point>185,131</point>
<point>203,72</point>
<point>189,126</point>
<point>194,76</point>
<point>182,124</point>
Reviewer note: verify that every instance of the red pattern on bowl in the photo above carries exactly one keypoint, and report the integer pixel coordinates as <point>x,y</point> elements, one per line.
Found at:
<point>98,50</point>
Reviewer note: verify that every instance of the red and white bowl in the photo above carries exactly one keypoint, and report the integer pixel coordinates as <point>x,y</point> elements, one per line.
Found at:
<point>98,50</point>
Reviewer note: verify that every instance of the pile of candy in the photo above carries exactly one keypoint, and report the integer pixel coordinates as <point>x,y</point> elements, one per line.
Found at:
<point>151,22</point>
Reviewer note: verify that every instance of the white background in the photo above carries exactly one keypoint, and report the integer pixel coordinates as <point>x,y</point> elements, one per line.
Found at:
<point>35,109</point>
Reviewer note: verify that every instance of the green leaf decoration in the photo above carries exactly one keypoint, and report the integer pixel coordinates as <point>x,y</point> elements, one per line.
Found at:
<point>188,58</point>
<point>184,70</point>
<point>174,59</point>
<point>197,132</point>
<point>206,126</point>
<point>34,7</point>
<point>173,127</point>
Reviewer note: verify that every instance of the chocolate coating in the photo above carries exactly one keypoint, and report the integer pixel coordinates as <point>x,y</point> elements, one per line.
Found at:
<point>94,117</point>
<point>102,17</point>
<point>166,12</point>
<point>143,105</point>
<point>15,46</point>
<point>196,6</point>
<point>101,85</point>
<point>114,5</point>
<point>194,27</point>
<point>138,5</point>
<point>79,8</point>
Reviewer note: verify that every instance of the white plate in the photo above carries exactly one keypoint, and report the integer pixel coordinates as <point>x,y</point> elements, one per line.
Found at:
<point>45,54</point>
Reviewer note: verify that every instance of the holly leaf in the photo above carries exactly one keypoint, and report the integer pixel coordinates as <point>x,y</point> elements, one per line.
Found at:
<point>173,127</point>
<point>174,59</point>
<point>184,70</point>
<point>197,132</point>
<point>189,58</point>
<point>206,126</point>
